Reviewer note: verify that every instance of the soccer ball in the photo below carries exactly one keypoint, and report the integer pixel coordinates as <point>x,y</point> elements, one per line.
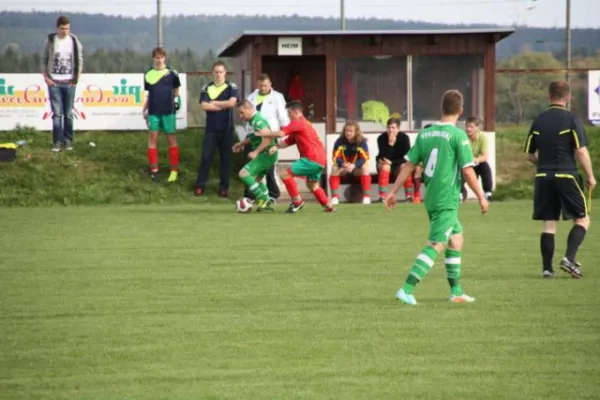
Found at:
<point>243,205</point>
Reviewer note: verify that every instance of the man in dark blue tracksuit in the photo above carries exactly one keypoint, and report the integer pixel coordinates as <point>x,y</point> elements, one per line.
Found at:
<point>218,99</point>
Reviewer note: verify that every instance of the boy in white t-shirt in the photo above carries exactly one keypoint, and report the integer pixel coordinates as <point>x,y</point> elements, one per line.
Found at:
<point>62,63</point>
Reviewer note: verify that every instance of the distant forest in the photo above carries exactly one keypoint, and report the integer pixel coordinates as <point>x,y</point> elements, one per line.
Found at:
<point>28,30</point>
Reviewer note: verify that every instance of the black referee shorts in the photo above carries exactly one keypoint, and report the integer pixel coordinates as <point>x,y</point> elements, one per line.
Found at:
<point>556,192</point>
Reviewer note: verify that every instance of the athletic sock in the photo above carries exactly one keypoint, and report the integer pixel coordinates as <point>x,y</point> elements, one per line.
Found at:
<point>254,187</point>
<point>574,240</point>
<point>153,159</point>
<point>292,188</point>
<point>547,249</point>
<point>452,261</point>
<point>365,184</point>
<point>321,196</point>
<point>334,183</point>
<point>174,158</point>
<point>408,187</point>
<point>384,182</point>
<point>421,266</point>
<point>263,187</point>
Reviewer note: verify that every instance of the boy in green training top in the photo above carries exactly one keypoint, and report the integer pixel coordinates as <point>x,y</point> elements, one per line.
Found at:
<point>162,102</point>
<point>445,151</point>
<point>253,173</point>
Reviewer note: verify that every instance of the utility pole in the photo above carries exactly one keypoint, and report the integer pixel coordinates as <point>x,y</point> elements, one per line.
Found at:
<point>159,27</point>
<point>342,15</point>
<point>568,40</point>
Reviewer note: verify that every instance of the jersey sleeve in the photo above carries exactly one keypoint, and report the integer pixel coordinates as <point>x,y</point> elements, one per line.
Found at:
<point>233,91</point>
<point>363,154</point>
<point>204,94</point>
<point>146,84</point>
<point>259,124</point>
<point>338,152</point>
<point>464,153</point>
<point>484,143</point>
<point>290,139</point>
<point>176,80</point>
<point>531,143</point>
<point>294,126</point>
<point>414,154</point>
<point>579,134</point>
<point>380,144</point>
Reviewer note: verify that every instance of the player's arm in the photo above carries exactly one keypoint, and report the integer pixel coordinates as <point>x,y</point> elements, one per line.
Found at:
<point>265,140</point>
<point>147,90</point>
<point>484,150</point>
<point>465,163</point>
<point>229,103</point>
<point>338,153</point>
<point>531,144</point>
<point>363,154</point>
<point>205,101</point>
<point>285,131</point>
<point>581,152</point>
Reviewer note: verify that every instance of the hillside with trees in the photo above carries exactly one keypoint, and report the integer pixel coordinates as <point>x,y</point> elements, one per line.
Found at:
<point>97,31</point>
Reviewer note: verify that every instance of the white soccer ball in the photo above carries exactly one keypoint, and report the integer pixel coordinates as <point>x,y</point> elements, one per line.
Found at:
<point>243,205</point>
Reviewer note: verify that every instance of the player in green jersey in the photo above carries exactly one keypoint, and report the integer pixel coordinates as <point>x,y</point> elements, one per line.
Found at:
<point>445,151</point>
<point>253,173</point>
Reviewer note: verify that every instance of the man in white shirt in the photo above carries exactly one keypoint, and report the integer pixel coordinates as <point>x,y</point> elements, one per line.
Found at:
<point>271,105</point>
<point>61,65</point>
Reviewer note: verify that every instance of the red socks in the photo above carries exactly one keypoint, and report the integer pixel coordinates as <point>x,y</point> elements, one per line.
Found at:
<point>365,183</point>
<point>292,187</point>
<point>153,159</point>
<point>321,196</point>
<point>334,183</point>
<point>384,182</point>
<point>174,158</point>
<point>408,186</point>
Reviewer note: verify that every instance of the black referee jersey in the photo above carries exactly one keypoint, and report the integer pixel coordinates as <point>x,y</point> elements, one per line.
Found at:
<point>555,135</point>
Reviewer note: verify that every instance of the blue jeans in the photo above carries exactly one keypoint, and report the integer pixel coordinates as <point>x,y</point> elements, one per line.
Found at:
<point>62,97</point>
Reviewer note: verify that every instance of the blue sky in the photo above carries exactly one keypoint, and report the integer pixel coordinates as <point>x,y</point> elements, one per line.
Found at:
<point>542,13</point>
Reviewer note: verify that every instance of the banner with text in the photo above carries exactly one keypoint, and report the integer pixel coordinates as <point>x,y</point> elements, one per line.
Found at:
<point>102,102</point>
<point>594,97</point>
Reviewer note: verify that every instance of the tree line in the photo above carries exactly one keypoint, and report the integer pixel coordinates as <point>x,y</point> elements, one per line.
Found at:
<point>198,32</point>
<point>519,97</point>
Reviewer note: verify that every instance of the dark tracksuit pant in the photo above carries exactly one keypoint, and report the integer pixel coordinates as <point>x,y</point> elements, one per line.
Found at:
<point>484,171</point>
<point>223,141</point>
<point>271,181</point>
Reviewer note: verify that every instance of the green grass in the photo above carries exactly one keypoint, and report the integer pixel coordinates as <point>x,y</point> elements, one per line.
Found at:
<point>514,174</point>
<point>194,301</point>
<point>113,172</point>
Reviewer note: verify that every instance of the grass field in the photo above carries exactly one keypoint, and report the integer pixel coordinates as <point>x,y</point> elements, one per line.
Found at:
<point>194,301</point>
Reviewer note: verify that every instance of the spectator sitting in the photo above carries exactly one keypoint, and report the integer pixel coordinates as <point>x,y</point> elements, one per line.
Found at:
<point>393,146</point>
<point>480,156</point>
<point>350,156</point>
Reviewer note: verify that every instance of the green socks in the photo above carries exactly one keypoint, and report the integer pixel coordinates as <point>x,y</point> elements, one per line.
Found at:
<point>452,261</point>
<point>256,188</point>
<point>421,266</point>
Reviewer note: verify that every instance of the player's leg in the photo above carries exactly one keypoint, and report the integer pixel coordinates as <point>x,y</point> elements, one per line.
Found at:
<point>574,206</point>
<point>452,261</point>
<point>546,208</point>
<point>334,183</point>
<point>312,182</point>
<point>417,174</point>
<point>209,144</point>
<point>408,189</point>
<point>439,234</point>
<point>248,176</point>
<point>168,128</point>
<point>365,182</point>
<point>288,178</point>
<point>485,172</point>
<point>152,151</point>
<point>383,179</point>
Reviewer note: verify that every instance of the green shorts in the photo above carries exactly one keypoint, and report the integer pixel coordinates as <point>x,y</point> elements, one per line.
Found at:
<point>442,225</point>
<point>261,164</point>
<point>307,168</point>
<point>164,123</point>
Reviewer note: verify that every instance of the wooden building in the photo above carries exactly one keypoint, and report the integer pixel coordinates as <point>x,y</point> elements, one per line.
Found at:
<point>369,76</point>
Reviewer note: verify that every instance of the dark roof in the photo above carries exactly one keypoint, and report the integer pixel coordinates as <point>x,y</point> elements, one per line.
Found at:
<point>234,45</point>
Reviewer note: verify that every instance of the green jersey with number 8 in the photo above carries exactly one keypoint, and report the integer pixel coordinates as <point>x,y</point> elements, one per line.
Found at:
<point>257,123</point>
<point>444,151</point>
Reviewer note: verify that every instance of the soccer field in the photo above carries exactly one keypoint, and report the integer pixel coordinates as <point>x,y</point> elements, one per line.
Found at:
<point>198,302</point>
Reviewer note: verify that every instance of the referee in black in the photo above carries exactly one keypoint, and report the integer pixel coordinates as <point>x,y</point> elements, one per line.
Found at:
<point>555,140</point>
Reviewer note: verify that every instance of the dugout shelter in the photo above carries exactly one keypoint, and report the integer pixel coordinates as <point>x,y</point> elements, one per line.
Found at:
<point>369,76</point>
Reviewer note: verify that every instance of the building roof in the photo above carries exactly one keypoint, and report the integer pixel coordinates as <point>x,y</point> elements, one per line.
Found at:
<point>234,45</point>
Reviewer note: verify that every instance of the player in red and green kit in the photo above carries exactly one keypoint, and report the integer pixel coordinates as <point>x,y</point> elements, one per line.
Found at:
<point>312,162</point>
<point>445,151</point>
<point>253,173</point>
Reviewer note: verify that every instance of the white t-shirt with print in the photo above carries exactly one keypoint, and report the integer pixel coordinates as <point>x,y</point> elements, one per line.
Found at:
<point>63,62</point>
